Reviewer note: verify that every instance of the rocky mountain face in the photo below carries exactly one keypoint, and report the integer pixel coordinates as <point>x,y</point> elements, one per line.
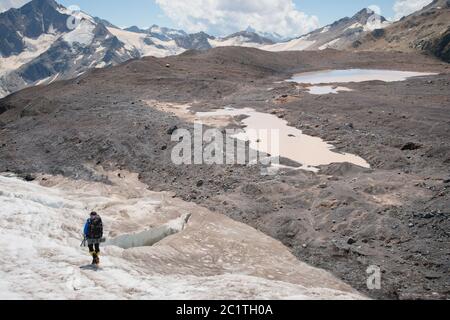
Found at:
<point>272,36</point>
<point>160,42</point>
<point>31,21</point>
<point>341,34</point>
<point>193,41</point>
<point>178,41</point>
<point>43,41</point>
<point>106,23</point>
<point>248,37</point>
<point>426,30</point>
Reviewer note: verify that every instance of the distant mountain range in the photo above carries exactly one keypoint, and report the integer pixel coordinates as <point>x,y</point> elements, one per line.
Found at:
<point>38,45</point>
<point>43,41</point>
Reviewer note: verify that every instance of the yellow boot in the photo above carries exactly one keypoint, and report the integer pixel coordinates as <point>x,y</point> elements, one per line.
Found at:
<point>93,254</point>
<point>96,258</point>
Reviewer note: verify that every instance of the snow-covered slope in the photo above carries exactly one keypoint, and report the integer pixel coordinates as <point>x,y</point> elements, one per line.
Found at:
<point>44,41</point>
<point>204,256</point>
<point>33,48</point>
<point>299,44</point>
<point>272,36</point>
<point>158,41</point>
<point>170,41</point>
<point>146,45</point>
<point>339,35</point>
<point>241,39</point>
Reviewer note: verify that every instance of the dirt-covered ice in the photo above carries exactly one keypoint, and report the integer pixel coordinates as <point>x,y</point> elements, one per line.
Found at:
<point>207,256</point>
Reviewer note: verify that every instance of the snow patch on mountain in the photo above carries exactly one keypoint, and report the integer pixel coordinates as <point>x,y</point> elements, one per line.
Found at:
<point>83,34</point>
<point>3,91</point>
<point>356,25</point>
<point>239,41</point>
<point>294,45</point>
<point>33,49</point>
<point>75,13</point>
<point>165,31</point>
<point>329,44</point>
<point>375,22</point>
<point>146,45</point>
<point>131,39</point>
<point>273,36</point>
<point>44,81</point>
<point>242,39</point>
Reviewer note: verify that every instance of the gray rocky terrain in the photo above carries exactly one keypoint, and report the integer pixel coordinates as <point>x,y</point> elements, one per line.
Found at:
<point>343,219</point>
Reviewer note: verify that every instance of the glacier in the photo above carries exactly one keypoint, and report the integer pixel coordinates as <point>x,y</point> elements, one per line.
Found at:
<point>207,256</point>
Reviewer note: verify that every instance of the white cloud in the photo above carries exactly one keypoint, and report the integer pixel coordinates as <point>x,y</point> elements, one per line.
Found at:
<point>8,4</point>
<point>375,9</point>
<point>406,7</point>
<point>226,16</point>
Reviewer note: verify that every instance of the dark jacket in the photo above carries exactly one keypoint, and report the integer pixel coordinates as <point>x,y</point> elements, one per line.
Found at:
<point>93,229</point>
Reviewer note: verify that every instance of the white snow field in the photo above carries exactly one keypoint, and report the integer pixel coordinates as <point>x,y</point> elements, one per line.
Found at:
<point>203,255</point>
<point>33,49</point>
<point>136,41</point>
<point>238,41</point>
<point>83,34</point>
<point>299,44</point>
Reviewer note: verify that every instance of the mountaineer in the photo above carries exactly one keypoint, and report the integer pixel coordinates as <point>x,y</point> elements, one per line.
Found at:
<point>93,233</point>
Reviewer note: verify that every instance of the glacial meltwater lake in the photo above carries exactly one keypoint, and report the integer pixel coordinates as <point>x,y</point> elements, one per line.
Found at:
<point>293,144</point>
<point>354,75</point>
<point>309,151</point>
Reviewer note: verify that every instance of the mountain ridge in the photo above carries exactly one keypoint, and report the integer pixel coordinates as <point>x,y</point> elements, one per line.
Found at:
<point>38,46</point>
<point>338,35</point>
<point>426,30</point>
<point>43,42</point>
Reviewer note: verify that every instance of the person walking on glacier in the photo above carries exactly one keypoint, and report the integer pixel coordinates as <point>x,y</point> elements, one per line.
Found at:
<point>93,233</point>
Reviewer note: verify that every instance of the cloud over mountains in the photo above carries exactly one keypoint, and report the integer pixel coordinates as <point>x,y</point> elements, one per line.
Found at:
<point>405,7</point>
<point>226,16</point>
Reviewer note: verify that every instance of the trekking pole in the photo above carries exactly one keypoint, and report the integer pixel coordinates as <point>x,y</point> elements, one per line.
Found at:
<point>83,243</point>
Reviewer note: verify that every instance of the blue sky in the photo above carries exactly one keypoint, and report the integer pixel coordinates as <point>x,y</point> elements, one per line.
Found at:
<point>143,13</point>
<point>146,12</point>
<point>288,18</point>
<point>329,11</point>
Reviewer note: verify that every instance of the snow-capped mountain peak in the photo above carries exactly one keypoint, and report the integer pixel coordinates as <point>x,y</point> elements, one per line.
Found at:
<point>135,29</point>
<point>166,31</point>
<point>338,35</point>
<point>43,41</point>
<point>272,36</point>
